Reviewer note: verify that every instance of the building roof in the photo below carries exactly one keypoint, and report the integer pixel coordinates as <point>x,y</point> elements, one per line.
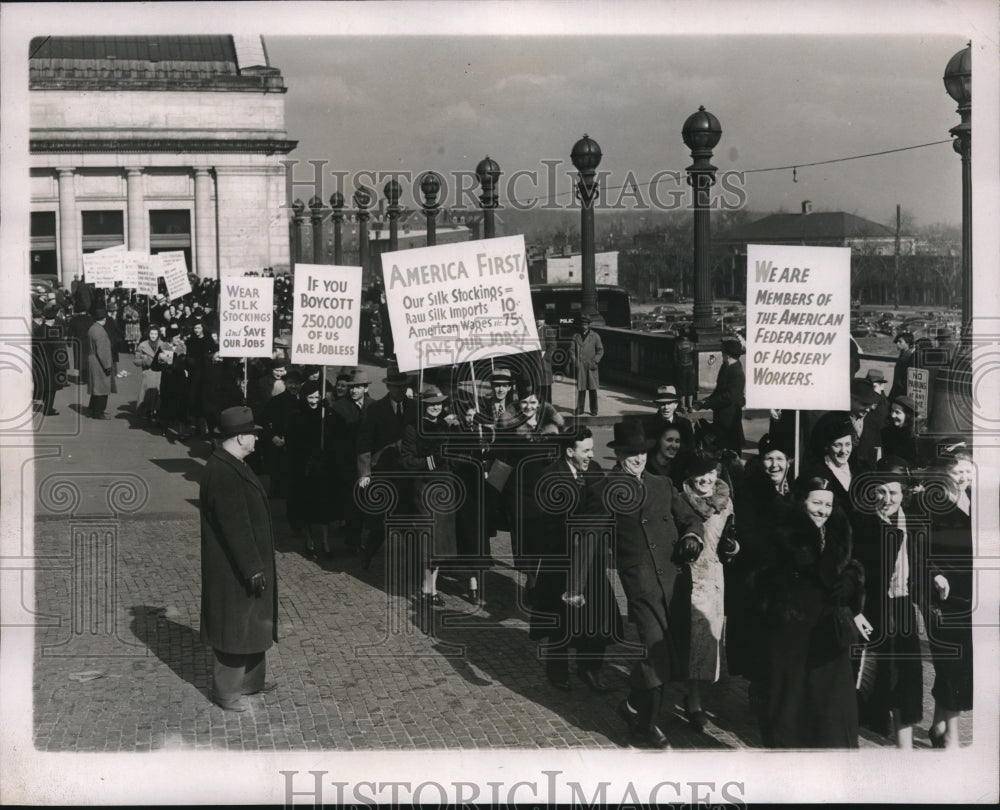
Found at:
<point>151,62</point>
<point>829,226</point>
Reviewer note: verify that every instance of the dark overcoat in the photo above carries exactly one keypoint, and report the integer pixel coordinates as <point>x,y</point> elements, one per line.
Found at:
<point>649,516</point>
<point>726,403</point>
<point>237,542</point>
<point>587,353</point>
<point>100,363</point>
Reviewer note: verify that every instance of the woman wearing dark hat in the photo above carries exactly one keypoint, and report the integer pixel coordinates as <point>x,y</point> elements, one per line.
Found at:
<point>838,464</point>
<point>308,442</point>
<point>700,586</point>
<point>761,504</point>
<point>812,596</point>
<point>898,436</point>
<point>948,617</point>
<point>423,450</point>
<point>886,547</point>
<point>200,351</point>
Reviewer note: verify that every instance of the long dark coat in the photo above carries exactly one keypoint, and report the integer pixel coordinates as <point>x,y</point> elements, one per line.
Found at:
<point>345,423</point>
<point>423,453</point>
<point>100,363</point>
<point>894,645</point>
<point>812,588</point>
<point>726,403</point>
<point>309,463</point>
<point>587,353</point>
<point>236,542</point>
<point>648,519</point>
<point>76,332</point>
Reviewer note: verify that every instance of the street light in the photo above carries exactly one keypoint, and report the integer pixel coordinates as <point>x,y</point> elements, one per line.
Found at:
<point>586,157</point>
<point>701,133</point>
<point>337,204</point>
<point>958,83</point>
<point>298,209</point>
<point>430,185</point>
<point>316,206</point>
<point>392,191</point>
<point>488,172</point>
<point>362,200</point>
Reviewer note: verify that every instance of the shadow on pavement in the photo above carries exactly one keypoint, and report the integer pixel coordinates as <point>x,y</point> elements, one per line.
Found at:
<point>176,645</point>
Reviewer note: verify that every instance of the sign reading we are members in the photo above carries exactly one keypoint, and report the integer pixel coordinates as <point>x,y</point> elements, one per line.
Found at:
<point>246,317</point>
<point>459,302</point>
<point>326,314</point>
<point>798,327</point>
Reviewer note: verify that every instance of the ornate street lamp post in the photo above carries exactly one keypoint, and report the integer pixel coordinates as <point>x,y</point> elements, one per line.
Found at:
<point>298,209</point>
<point>392,192</point>
<point>958,83</point>
<point>337,204</point>
<point>586,157</point>
<point>701,133</point>
<point>430,185</point>
<point>316,207</point>
<point>488,172</point>
<point>362,200</point>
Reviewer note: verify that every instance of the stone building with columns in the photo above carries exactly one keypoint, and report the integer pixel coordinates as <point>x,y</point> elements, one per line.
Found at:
<point>157,143</point>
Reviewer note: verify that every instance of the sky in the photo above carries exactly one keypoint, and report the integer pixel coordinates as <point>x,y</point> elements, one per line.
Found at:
<point>388,103</point>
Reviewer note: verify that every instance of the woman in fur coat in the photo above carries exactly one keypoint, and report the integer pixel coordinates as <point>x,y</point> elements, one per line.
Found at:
<point>700,587</point>
<point>812,596</point>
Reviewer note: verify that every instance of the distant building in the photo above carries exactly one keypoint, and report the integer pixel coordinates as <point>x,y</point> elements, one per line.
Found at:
<point>158,143</point>
<point>921,279</point>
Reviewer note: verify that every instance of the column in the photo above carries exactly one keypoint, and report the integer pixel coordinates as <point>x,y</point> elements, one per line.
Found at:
<point>204,217</point>
<point>137,217</point>
<point>69,227</point>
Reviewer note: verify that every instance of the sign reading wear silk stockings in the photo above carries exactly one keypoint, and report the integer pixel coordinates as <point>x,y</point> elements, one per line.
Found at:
<point>798,327</point>
<point>456,303</point>
<point>326,315</point>
<point>246,317</point>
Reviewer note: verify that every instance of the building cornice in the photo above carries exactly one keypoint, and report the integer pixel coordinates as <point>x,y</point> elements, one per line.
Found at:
<point>261,146</point>
<point>173,83</point>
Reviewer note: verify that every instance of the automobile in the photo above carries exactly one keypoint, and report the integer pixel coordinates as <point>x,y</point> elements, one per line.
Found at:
<point>862,327</point>
<point>42,284</point>
<point>661,310</point>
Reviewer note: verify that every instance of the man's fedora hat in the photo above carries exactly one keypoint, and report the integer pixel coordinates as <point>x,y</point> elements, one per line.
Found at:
<point>667,393</point>
<point>236,421</point>
<point>630,437</point>
<point>360,377</point>
<point>502,375</point>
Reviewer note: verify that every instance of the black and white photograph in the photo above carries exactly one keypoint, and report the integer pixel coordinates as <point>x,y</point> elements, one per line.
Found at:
<point>496,403</point>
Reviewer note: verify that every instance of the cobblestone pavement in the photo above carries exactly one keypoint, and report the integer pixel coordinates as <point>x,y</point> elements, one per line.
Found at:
<point>119,665</point>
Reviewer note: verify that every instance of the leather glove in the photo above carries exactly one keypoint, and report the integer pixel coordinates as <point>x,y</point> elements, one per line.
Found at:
<point>258,583</point>
<point>687,550</point>
<point>728,545</point>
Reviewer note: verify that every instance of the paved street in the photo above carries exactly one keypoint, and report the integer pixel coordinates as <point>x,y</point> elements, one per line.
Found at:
<point>119,665</point>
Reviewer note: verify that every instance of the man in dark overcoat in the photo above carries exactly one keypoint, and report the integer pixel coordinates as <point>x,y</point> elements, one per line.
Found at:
<point>727,400</point>
<point>48,356</point>
<point>239,588</point>
<point>100,366</point>
<point>379,436</point>
<point>345,422</point>
<point>548,340</point>
<point>571,566</point>
<point>588,349</point>
<point>76,334</point>
<point>656,532</point>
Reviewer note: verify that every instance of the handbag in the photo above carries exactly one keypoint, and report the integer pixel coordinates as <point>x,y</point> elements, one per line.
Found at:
<point>498,474</point>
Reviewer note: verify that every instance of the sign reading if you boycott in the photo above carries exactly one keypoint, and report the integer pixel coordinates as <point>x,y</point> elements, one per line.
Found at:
<point>326,314</point>
<point>798,327</point>
<point>460,302</point>
<point>246,317</point>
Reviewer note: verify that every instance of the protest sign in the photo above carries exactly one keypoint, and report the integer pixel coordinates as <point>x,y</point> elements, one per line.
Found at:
<point>103,268</point>
<point>460,302</point>
<point>798,327</point>
<point>128,273</point>
<point>326,314</point>
<point>147,269</point>
<point>246,317</point>
<point>918,383</point>
<point>173,268</point>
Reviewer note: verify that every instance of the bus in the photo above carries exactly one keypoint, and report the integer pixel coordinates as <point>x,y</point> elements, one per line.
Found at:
<point>560,305</point>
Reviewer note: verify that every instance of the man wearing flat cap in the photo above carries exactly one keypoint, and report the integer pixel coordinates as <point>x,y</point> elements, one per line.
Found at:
<point>239,589</point>
<point>588,349</point>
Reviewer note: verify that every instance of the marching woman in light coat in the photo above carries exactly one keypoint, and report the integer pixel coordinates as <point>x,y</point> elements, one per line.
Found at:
<point>702,583</point>
<point>147,357</point>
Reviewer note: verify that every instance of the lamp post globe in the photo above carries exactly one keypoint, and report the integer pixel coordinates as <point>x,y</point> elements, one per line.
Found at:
<point>488,172</point>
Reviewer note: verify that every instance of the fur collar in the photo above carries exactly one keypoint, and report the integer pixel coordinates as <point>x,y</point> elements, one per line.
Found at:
<point>707,505</point>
